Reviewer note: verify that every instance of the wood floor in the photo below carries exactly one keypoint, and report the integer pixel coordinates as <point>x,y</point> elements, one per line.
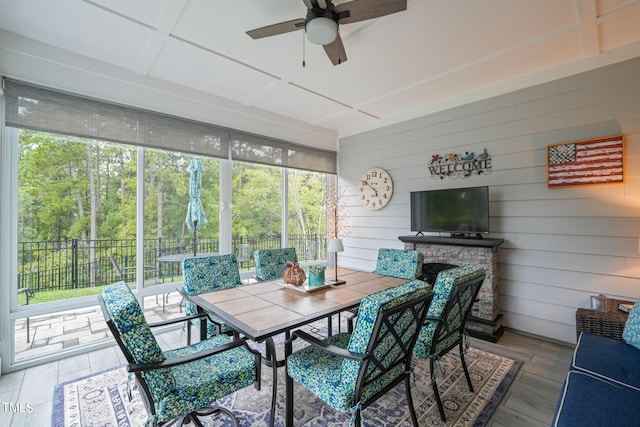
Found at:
<point>530,401</point>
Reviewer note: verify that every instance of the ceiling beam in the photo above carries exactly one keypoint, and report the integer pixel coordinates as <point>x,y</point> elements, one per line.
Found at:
<point>588,20</point>
<point>165,26</point>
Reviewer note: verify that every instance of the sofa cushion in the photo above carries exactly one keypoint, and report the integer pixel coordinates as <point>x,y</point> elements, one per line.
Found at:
<point>631,332</point>
<point>589,401</point>
<point>608,359</point>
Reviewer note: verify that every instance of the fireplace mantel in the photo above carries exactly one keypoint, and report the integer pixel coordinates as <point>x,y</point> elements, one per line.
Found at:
<point>453,241</point>
<point>485,319</point>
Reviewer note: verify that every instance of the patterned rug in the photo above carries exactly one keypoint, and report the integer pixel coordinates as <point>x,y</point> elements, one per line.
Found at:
<point>102,399</point>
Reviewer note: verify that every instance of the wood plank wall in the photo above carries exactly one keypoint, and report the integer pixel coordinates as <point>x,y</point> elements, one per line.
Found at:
<point>562,244</point>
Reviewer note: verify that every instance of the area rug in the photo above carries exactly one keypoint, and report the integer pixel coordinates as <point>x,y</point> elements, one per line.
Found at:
<point>102,399</point>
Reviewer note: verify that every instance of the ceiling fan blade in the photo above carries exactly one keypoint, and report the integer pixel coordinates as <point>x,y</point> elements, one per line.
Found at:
<point>275,29</point>
<point>335,51</point>
<point>361,10</point>
<point>322,4</point>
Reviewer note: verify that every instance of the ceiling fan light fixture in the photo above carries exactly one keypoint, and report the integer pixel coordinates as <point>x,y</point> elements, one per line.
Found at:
<point>321,30</point>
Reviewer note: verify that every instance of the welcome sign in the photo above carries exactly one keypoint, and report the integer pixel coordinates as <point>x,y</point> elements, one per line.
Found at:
<point>459,165</point>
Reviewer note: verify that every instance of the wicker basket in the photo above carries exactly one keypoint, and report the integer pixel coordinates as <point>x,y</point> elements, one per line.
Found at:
<point>609,322</point>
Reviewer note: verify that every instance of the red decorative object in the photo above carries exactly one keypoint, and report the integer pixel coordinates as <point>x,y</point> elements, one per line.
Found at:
<point>294,275</point>
<point>593,161</point>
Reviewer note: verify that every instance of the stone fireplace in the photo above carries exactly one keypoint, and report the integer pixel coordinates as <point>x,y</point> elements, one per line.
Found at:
<point>485,319</point>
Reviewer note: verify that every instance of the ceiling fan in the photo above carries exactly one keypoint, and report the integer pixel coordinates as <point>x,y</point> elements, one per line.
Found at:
<point>323,18</point>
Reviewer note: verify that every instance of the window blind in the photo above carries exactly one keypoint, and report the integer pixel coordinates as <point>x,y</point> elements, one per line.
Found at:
<point>37,108</point>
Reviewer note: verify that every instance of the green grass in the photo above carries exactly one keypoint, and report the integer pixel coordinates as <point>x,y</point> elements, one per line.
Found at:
<point>48,296</point>
<point>64,294</point>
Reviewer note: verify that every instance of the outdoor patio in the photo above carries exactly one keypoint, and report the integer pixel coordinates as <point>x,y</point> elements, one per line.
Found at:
<point>66,329</point>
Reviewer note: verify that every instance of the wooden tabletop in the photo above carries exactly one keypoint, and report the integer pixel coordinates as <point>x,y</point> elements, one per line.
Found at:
<point>264,309</point>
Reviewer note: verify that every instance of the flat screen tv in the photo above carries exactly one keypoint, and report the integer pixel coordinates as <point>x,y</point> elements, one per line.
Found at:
<point>459,211</point>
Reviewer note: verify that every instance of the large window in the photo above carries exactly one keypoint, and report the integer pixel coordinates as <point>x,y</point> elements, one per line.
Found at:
<point>167,233</point>
<point>102,193</point>
<point>76,215</point>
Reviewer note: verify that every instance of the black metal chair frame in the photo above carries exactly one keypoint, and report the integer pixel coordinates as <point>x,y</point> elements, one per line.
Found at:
<point>28,293</point>
<point>383,327</point>
<point>138,369</point>
<point>444,330</point>
<point>123,272</point>
<point>204,317</point>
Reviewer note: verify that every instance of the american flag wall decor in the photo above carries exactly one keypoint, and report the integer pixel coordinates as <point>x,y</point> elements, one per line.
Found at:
<point>593,161</point>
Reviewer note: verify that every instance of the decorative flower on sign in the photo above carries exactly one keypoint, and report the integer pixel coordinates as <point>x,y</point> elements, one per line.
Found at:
<point>459,165</point>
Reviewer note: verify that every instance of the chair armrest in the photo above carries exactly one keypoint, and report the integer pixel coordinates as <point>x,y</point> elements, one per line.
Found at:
<point>327,348</point>
<point>143,367</point>
<point>178,320</point>
<point>429,319</point>
<point>200,310</point>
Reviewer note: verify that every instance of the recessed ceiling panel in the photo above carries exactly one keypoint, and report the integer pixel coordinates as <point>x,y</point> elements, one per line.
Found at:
<point>222,26</point>
<point>398,50</point>
<point>347,118</point>
<point>197,68</point>
<point>620,28</point>
<point>482,77</point>
<point>295,102</point>
<point>146,11</point>
<point>604,7</point>
<point>78,27</point>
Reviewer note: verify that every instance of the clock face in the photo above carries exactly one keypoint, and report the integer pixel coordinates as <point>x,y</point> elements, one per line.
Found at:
<point>376,188</point>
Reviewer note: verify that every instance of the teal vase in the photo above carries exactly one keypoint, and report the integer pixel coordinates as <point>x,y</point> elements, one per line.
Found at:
<point>316,279</point>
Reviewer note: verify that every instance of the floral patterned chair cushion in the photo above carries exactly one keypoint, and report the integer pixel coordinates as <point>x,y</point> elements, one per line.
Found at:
<point>182,389</point>
<point>206,274</point>
<point>203,381</point>
<point>271,263</point>
<point>405,264</point>
<point>124,310</point>
<point>333,379</point>
<point>445,282</point>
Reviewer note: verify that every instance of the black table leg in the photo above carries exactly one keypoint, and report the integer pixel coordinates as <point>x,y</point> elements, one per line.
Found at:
<point>288,399</point>
<point>271,355</point>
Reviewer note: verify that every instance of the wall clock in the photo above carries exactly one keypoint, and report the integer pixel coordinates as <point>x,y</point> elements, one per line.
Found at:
<point>376,188</point>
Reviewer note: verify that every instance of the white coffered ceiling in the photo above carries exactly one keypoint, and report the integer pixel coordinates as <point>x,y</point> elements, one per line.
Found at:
<point>435,55</point>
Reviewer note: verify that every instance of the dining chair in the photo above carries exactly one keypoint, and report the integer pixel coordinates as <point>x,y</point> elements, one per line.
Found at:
<point>124,272</point>
<point>180,383</point>
<point>271,263</point>
<point>349,372</point>
<point>207,274</point>
<point>130,272</point>
<point>455,291</point>
<point>400,263</point>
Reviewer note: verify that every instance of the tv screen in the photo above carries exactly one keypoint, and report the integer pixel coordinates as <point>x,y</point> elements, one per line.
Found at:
<point>456,211</point>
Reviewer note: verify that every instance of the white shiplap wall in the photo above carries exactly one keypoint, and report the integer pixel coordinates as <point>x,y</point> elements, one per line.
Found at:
<point>561,245</point>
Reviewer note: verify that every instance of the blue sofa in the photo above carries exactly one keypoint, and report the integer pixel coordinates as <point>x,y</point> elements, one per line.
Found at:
<point>602,387</point>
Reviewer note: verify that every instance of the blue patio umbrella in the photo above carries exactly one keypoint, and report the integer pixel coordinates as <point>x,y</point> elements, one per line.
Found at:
<point>196,217</point>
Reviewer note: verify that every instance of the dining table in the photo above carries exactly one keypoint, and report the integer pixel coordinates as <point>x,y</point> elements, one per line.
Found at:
<point>260,311</point>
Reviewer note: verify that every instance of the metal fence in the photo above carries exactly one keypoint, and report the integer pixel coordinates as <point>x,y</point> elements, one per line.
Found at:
<point>67,264</point>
